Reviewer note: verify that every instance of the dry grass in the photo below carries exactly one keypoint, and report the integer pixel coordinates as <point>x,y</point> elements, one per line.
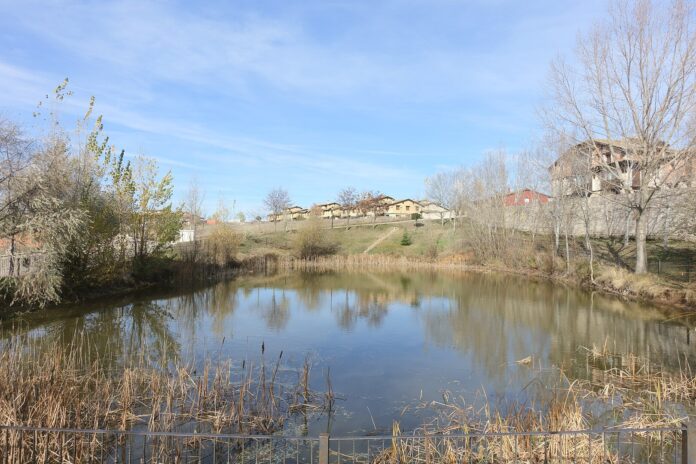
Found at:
<point>491,438</point>
<point>644,286</point>
<point>626,282</point>
<point>636,377</point>
<point>59,388</point>
<point>636,394</point>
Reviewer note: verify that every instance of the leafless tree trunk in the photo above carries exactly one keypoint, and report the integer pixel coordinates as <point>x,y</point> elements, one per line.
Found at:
<point>443,189</point>
<point>348,199</point>
<point>277,201</point>
<point>194,205</point>
<point>631,102</point>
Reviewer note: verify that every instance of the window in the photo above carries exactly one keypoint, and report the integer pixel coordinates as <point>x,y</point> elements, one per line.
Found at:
<point>408,208</point>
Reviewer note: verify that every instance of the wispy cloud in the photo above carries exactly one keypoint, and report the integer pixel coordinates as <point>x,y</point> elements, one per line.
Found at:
<point>231,150</point>
<point>146,40</point>
<point>310,94</point>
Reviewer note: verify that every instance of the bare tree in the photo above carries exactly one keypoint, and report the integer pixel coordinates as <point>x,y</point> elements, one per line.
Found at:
<point>443,189</point>
<point>348,199</point>
<point>485,200</point>
<point>277,201</point>
<point>371,202</point>
<point>193,206</point>
<point>222,213</point>
<point>631,102</point>
<point>531,173</point>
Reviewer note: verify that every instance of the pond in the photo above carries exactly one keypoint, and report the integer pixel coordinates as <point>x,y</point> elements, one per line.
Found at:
<point>387,341</point>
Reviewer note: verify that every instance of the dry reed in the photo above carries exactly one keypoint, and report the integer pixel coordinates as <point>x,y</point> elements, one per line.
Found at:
<point>60,388</point>
<point>636,394</point>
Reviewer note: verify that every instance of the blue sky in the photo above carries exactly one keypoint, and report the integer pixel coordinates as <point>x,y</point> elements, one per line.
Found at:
<point>312,96</point>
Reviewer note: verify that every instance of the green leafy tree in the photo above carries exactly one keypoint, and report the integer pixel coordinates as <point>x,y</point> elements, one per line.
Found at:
<point>154,224</point>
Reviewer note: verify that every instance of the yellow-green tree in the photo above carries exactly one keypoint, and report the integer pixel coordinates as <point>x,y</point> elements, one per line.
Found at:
<point>154,224</point>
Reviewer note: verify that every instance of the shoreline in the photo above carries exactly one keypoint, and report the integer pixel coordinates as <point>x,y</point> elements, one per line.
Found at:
<point>272,263</point>
<point>390,263</point>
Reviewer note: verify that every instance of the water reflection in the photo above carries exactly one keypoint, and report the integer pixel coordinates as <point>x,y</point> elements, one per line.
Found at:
<point>388,338</point>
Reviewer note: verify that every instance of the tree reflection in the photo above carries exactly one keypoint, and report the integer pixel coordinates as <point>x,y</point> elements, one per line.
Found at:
<point>276,312</point>
<point>113,335</point>
<point>493,319</point>
<point>496,319</point>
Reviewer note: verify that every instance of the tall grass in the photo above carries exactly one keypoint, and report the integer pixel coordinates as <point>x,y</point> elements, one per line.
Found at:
<point>61,387</point>
<point>623,392</point>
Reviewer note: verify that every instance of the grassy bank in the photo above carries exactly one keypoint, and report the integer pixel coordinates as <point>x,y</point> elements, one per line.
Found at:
<point>430,244</point>
<point>408,245</point>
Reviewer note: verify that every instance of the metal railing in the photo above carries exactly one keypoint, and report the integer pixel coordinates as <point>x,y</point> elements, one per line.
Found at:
<point>663,445</point>
<point>19,444</point>
<point>50,445</point>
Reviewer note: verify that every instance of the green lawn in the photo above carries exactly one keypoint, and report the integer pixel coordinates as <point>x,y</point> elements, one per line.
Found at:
<point>357,239</point>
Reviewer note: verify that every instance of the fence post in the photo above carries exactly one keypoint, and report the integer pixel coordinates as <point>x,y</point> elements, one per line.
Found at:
<point>323,448</point>
<point>688,443</point>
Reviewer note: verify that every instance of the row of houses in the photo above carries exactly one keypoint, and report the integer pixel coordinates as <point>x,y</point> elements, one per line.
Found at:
<point>587,168</point>
<point>380,206</point>
<point>406,209</point>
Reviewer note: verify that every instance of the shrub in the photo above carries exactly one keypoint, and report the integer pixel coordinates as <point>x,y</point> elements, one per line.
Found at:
<point>582,270</point>
<point>221,245</point>
<point>405,239</point>
<point>432,251</point>
<point>311,240</point>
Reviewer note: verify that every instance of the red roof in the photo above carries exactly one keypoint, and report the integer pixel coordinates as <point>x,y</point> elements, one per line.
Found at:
<point>524,197</point>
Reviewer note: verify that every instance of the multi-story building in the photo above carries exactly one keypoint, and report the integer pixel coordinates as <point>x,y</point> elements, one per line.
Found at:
<point>596,166</point>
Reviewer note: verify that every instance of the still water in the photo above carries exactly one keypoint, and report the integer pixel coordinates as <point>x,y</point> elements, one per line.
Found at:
<point>388,341</point>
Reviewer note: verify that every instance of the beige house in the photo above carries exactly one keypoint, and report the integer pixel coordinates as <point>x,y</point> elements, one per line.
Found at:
<point>377,206</point>
<point>403,208</point>
<point>329,210</point>
<point>292,213</point>
<point>431,210</point>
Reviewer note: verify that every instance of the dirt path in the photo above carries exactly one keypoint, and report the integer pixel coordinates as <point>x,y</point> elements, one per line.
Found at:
<point>380,240</point>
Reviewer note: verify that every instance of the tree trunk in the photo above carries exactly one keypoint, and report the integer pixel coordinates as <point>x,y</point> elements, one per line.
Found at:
<point>628,227</point>
<point>591,264</point>
<point>567,250</point>
<point>665,237</point>
<point>12,255</point>
<point>641,239</point>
